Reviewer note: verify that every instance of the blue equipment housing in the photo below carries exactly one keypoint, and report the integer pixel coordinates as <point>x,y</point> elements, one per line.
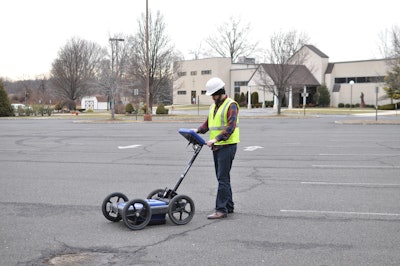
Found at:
<point>138,213</point>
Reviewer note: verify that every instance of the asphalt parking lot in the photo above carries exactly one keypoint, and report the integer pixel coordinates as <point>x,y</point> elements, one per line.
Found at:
<point>308,191</point>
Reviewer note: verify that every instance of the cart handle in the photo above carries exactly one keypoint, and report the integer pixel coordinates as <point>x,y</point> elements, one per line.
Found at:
<point>192,136</point>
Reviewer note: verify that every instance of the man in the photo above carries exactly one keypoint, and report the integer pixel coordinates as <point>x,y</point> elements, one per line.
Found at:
<point>224,135</point>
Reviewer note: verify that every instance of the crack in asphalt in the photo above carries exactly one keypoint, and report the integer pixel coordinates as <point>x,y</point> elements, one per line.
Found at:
<point>103,256</point>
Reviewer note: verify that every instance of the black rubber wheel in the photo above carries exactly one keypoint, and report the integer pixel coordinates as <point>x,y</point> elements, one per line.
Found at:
<point>181,209</point>
<point>110,206</point>
<point>136,214</point>
<point>154,194</point>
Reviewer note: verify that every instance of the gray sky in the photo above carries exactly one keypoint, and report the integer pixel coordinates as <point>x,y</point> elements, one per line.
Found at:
<point>32,32</point>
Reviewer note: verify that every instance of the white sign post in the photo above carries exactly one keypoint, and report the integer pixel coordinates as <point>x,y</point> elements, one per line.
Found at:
<point>304,95</point>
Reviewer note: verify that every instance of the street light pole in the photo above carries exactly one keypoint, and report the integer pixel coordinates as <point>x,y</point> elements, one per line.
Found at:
<point>351,93</point>
<point>114,75</point>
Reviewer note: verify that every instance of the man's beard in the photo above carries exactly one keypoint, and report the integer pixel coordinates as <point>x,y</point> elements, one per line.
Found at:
<point>219,100</point>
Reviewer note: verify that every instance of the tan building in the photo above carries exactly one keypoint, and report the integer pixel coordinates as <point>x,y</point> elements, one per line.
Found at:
<point>367,77</point>
<point>189,85</point>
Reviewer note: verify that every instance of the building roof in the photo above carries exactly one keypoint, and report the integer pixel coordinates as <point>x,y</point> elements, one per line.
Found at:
<point>299,75</point>
<point>329,68</point>
<point>316,50</point>
<point>101,98</point>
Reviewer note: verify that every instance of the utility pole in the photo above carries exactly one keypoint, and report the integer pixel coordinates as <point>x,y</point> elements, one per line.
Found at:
<point>376,103</point>
<point>147,116</point>
<point>114,76</point>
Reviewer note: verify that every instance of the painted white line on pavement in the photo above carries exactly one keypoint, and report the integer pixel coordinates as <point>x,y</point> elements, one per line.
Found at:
<point>355,154</point>
<point>357,166</point>
<point>350,184</point>
<point>252,148</point>
<point>129,147</point>
<point>343,213</point>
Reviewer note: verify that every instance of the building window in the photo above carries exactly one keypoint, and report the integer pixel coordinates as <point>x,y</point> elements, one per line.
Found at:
<point>181,74</point>
<point>376,79</point>
<point>351,79</point>
<point>193,73</point>
<point>181,92</point>
<point>361,80</point>
<point>237,85</point>
<point>340,80</point>
<point>206,72</point>
<point>203,92</point>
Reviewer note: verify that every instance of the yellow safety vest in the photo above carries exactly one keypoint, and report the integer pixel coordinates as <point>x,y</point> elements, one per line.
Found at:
<point>219,121</point>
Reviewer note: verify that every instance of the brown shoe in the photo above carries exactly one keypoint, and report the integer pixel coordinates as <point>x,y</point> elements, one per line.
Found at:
<point>217,215</point>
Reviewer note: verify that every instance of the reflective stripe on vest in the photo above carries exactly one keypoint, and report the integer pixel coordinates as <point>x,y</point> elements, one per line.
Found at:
<point>218,123</point>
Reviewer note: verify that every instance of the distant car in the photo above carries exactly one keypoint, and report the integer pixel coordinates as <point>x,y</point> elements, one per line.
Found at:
<point>18,105</point>
<point>20,109</point>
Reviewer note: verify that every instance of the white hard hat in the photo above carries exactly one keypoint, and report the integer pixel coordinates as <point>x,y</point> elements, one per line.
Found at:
<point>213,85</point>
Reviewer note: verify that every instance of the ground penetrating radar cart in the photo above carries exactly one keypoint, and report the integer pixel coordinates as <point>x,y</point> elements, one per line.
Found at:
<point>137,213</point>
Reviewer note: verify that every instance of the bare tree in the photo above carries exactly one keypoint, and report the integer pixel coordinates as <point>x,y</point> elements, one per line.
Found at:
<point>392,80</point>
<point>390,43</point>
<point>197,53</point>
<point>74,71</point>
<point>28,89</point>
<point>286,64</point>
<point>113,68</point>
<point>44,92</point>
<point>161,56</point>
<point>232,39</point>
<point>390,49</point>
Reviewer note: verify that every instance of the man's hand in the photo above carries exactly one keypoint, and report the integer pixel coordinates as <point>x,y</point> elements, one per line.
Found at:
<point>211,142</point>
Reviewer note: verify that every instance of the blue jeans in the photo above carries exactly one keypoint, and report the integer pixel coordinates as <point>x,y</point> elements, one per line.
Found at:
<point>223,158</point>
